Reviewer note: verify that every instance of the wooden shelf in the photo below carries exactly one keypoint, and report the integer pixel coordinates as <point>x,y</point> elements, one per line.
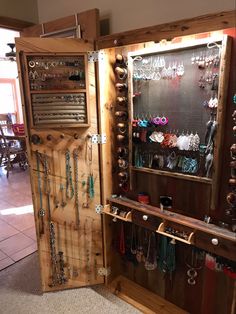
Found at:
<point>161,230</point>
<point>127,218</point>
<point>192,223</point>
<point>58,91</point>
<point>173,175</point>
<point>141,298</point>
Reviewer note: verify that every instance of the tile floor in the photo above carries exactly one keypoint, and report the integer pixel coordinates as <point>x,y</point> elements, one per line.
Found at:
<point>17,228</point>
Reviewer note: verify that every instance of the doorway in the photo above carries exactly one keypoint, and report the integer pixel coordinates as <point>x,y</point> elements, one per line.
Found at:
<point>17,227</point>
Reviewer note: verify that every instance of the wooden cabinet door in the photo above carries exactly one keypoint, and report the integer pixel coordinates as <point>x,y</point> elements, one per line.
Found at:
<point>68,228</point>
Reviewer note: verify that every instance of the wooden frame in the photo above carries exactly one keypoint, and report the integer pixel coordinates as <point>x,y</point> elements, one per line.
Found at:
<point>143,299</point>
<point>200,24</point>
<point>222,94</point>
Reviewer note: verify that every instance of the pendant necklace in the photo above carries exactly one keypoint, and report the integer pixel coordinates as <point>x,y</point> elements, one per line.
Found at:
<point>69,181</point>
<point>41,211</point>
<point>76,170</point>
<point>151,259</point>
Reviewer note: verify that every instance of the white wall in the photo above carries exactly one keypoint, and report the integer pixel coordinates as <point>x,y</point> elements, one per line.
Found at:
<point>25,10</point>
<point>131,14</point>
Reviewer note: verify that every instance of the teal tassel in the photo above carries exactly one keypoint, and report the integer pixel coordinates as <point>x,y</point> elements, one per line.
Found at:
<point>91,186</point>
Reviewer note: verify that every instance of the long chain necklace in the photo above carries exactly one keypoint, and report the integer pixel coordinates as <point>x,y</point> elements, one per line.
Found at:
<point>75,156</point>
<point>52,241</point>
<point>90,177</point>
<point>55,198</point>
<point>41,211</point>
<point>69,181</point>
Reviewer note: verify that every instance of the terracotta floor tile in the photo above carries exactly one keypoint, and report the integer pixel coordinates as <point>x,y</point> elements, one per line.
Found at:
<point>15,244</point>
<point>6,262</point>
<point>25,252</point>
<point>2,255</point>
<point>6,230</point>
<point>31,233</point>
<point>20,222</point>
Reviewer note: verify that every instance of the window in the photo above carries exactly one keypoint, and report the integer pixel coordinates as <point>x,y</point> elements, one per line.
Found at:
<point>8,100</point>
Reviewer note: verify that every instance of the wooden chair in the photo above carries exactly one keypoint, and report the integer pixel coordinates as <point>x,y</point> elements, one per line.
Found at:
<point>9,152</point>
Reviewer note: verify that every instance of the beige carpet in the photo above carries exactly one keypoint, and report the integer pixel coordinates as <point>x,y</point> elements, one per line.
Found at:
<point>20,293</point>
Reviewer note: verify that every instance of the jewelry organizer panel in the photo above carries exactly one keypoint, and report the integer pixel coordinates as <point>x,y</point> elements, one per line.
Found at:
<point>56,72</point>
<point>58,89</point>
<point>59,108</point>
<point>174,103</point>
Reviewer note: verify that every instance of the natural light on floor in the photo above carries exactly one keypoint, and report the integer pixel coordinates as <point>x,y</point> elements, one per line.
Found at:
<point>17,210</point>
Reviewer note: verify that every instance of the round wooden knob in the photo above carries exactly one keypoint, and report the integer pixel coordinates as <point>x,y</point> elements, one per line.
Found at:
<point>119,58</point>
<point>122,151</point>
<point>232,182</point>
<point>49,137</point>
<point>120,70</point>
<point>145,217</point>
<point>35,139</point>
<point>231,198</point>
<point>215,241</point>
<point>123,175</point>
<point>121,99</point>
<point>62,135</point>
<point>76,136</point>
<point>120,137</point>
<point>120,125</point>
<point>121,86</point>
<point>122,163</point>
<point>121,114</point>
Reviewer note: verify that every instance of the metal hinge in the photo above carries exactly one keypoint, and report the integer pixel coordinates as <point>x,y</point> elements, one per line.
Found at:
<point>102,271</point>
<point>95,56</point>
<point>99,138</point>
<point>99,208</point>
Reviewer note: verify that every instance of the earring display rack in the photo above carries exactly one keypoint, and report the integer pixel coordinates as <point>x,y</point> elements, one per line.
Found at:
<point>174,130</point>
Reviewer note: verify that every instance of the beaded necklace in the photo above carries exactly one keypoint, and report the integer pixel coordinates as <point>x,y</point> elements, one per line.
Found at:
<point>69,181</point>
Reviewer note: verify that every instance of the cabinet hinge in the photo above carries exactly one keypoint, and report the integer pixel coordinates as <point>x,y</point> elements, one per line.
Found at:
<point>102,271</point>
<point>99,138</point>
<point>95,56</point>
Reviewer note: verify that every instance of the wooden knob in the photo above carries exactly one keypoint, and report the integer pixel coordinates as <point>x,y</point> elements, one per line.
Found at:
<point>122,151</point>
<point>49,137</point>
<point>76,136</point>
<point>232,182</point>
<point>119,58</point>
<point>62,135</point>
<point>120,70</point>
<point>123,175</point>
<point>121,86</point>
<point>120,125</point>
<point>120,137</point>
<point>231,198</point>
<point>35,139</point>
<point>121,114</point>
